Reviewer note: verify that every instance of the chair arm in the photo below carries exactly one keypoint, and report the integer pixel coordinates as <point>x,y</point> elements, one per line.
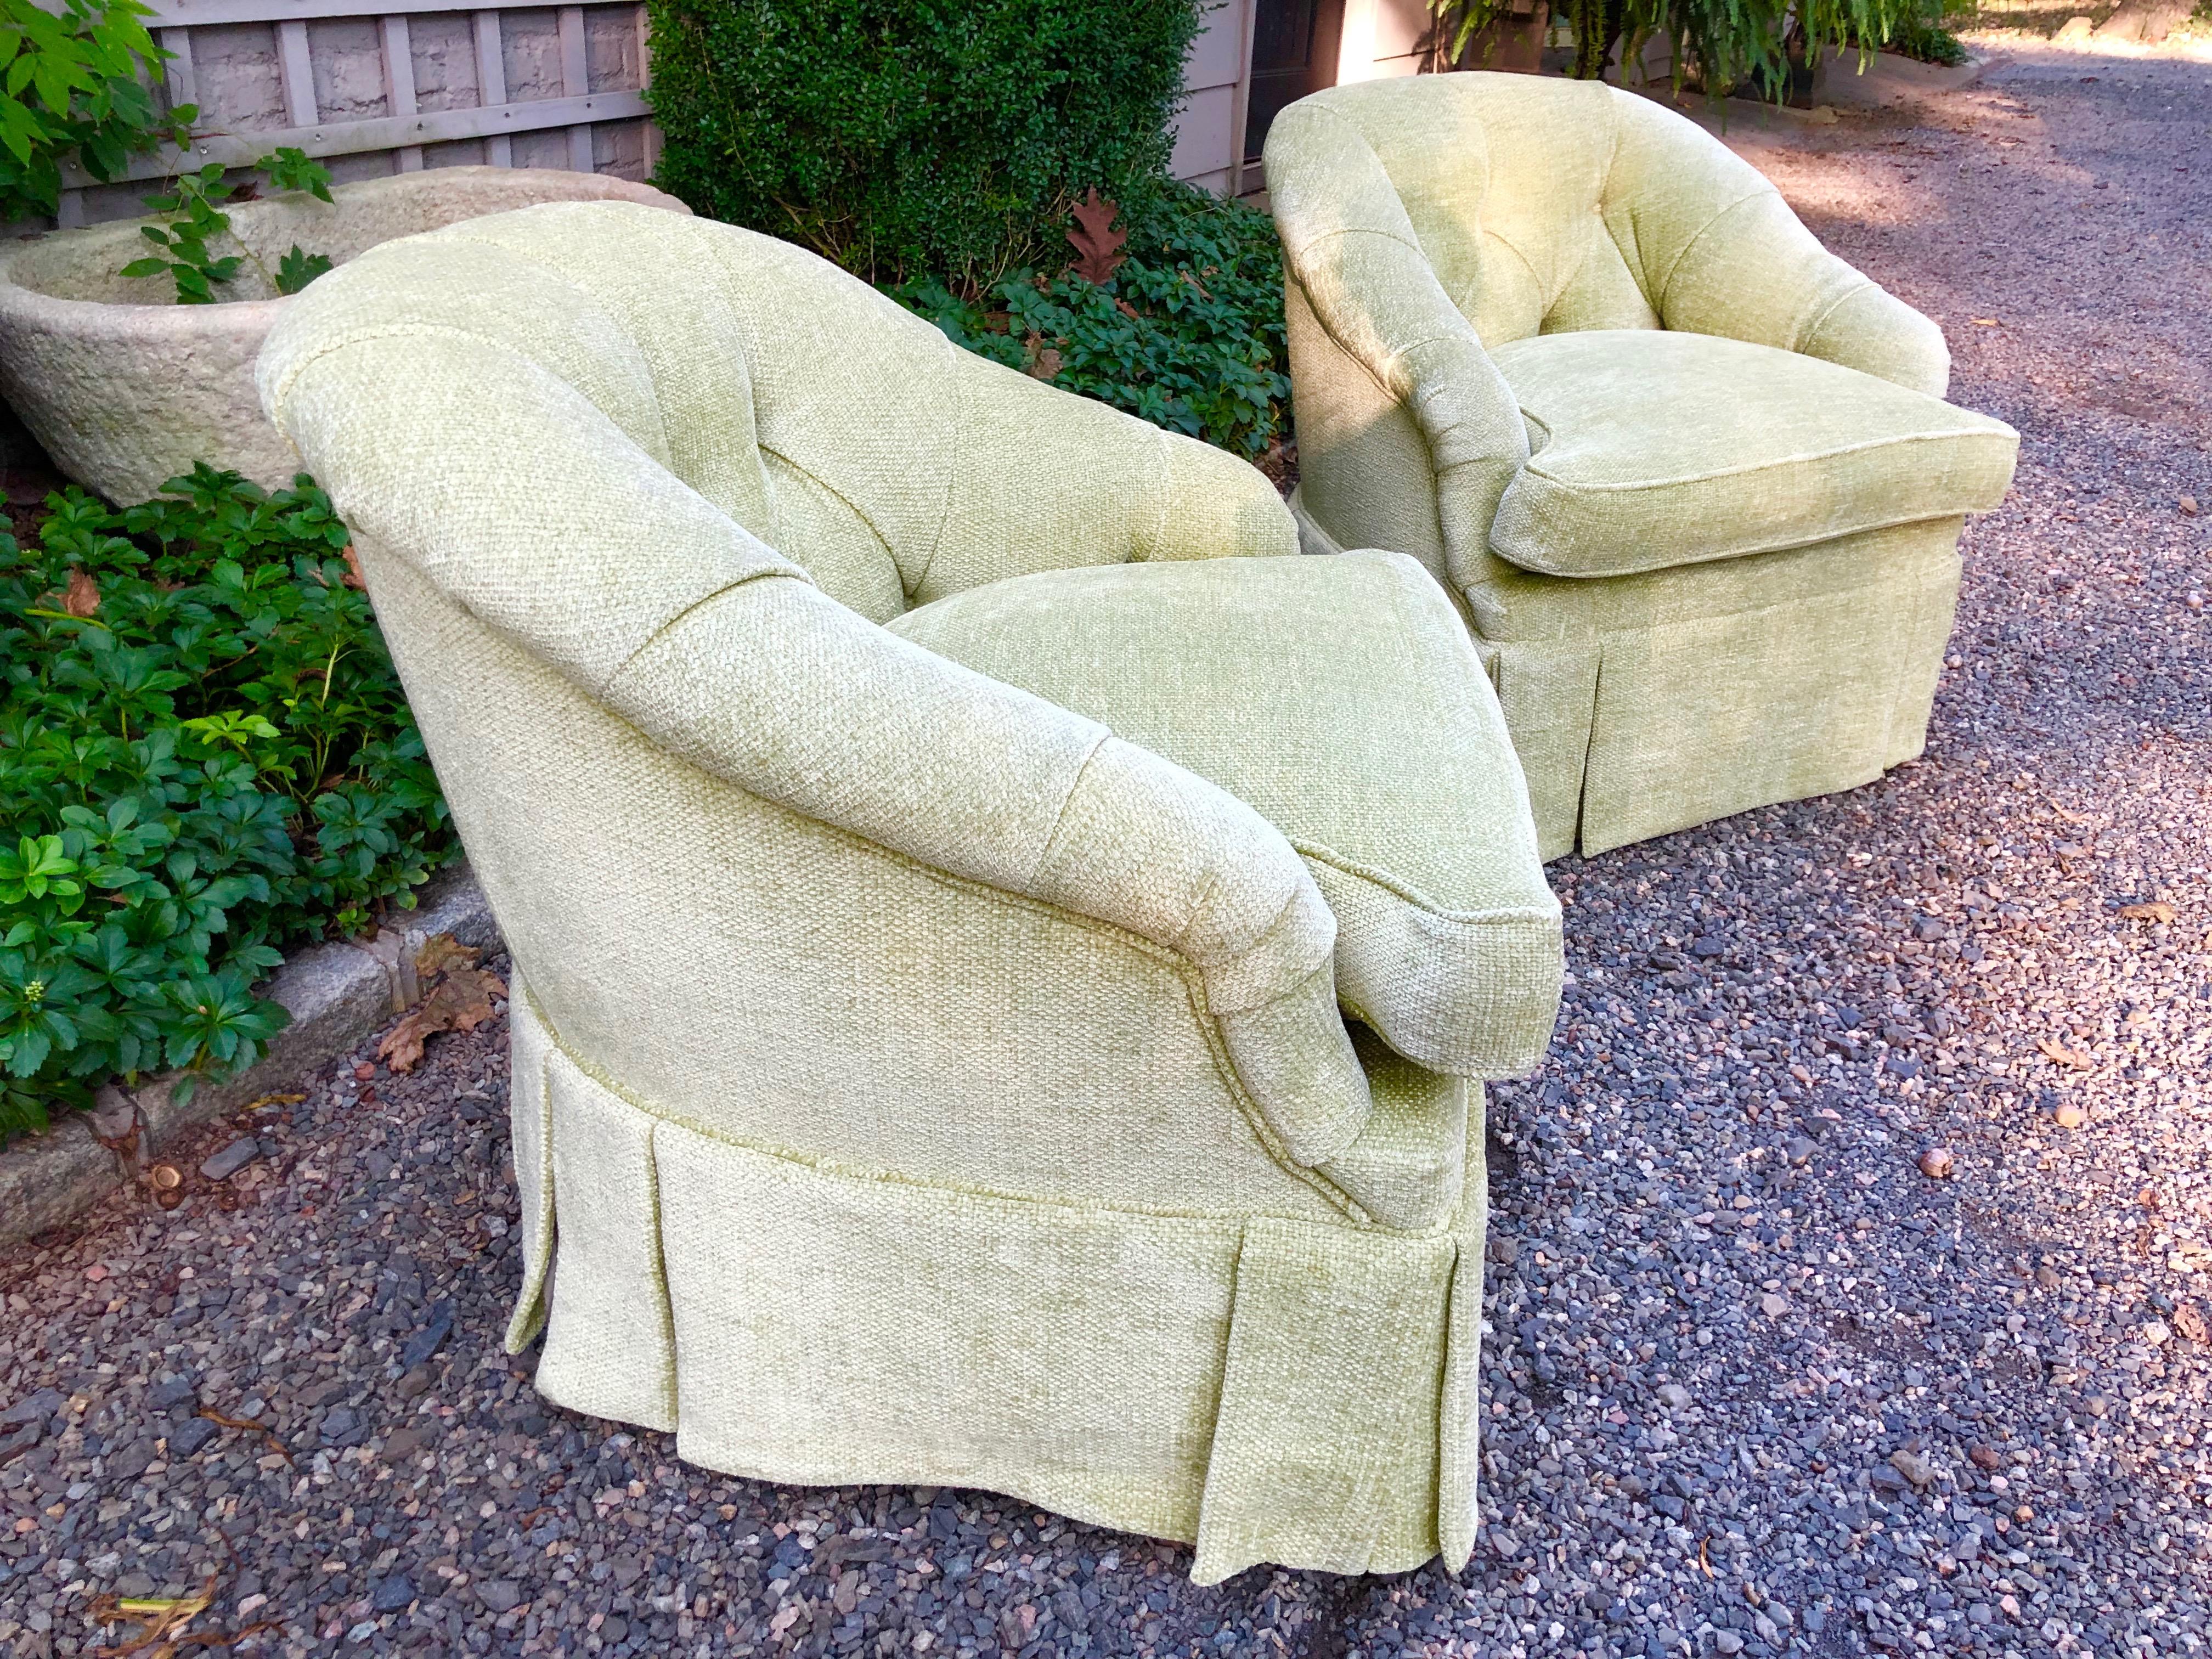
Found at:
<point>528,507</point>
<point>1721,254</point>
<point>1350,247</point>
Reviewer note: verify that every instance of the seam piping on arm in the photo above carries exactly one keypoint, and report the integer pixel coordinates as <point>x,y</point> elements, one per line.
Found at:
<point>1156,547</point>
<point>1504,914</point>
<point>960,403</point>
<point>606,687</point>
<point>1812,326</point>
<point>1703,231</point>
<point>837,495</point>
<point>478,240</point>
<point>1060,813</point>
<point>1343,231</point>
<point>1527,265</point>
<point>282,391</point>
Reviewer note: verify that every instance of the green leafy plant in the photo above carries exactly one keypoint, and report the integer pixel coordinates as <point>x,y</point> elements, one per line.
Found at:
<point>1186,332</point>
<point>71,89</point>
<point>195,220</point>
<point>288,168</point>
<point>204,756</point>
<point>1764,46</point>
<point>296,270</point>
<point>943,139</point>
<point>1930,43</point>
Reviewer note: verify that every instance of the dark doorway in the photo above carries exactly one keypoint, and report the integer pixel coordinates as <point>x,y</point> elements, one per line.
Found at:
<point>1294,46</point>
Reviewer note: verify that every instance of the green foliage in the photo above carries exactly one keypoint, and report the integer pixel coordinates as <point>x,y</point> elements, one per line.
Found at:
<point>940,138</point>
<point>204,756</point>
<point>1930,43</point>
<point>1188,334</point>
<point>1725,46</point>
<point>71,89</point>
<point>298,269</point>
<point>195,221</point>
<point>294,169</point>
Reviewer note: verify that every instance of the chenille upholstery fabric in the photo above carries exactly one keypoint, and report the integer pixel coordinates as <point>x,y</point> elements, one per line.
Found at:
<point>1690,475</point>
<point>1455,946</point>
<point>917,1077</point>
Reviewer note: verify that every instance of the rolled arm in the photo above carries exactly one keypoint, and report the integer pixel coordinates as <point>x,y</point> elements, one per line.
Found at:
<point>1723,254</point>
<point>1350,246</point>
<point>723,653</point>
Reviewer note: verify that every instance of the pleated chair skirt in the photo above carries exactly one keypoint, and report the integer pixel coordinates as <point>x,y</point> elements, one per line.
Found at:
<point>1270,1390</point>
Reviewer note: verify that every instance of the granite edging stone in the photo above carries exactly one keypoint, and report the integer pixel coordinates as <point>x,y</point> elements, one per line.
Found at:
<point>336,994</point>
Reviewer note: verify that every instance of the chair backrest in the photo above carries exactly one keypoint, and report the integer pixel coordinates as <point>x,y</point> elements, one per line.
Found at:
<point>1544,205</point>
<point>844,432</point>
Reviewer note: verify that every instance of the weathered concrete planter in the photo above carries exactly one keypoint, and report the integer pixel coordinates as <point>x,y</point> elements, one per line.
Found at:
<point>126,388</point>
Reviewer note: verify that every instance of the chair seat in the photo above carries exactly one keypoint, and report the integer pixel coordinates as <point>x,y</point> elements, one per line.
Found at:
<point>1650,449</point>
<point>1342,699</point>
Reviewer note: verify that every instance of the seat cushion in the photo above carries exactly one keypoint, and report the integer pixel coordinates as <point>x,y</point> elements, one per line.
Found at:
<point>1650,449</point>
<point>1341,698</point>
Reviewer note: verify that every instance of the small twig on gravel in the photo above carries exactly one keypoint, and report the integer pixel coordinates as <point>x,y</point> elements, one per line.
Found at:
<point>250,1424</point>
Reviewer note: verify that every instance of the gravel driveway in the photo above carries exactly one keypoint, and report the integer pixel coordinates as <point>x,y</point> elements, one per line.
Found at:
<point>1758,1385</point>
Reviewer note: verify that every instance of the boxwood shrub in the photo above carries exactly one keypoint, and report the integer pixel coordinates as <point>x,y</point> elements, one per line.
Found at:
<point>942,138</point>
<point>204,757</point>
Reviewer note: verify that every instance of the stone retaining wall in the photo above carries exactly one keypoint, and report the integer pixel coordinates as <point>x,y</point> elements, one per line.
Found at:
<point>336,994</point>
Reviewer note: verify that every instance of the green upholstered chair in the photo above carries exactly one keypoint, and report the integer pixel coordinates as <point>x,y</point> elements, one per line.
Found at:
<point>1690,475</point>
<point>932,876</point>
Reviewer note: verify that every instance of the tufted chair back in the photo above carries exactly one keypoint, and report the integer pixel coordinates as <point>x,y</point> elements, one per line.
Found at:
<point>1543,206</point>
<point>821,417</point>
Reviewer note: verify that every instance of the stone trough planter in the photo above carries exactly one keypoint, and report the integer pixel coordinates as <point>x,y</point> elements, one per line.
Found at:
<point>126,389</point>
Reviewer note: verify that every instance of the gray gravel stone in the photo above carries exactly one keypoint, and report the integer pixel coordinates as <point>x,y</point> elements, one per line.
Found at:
<point>189,1437</point>
<point>499,1594</point>
<point>231,1159</point>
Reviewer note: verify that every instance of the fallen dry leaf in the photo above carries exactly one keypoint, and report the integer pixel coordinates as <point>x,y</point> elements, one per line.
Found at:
<point>251,1426</point>
<point>441,952</point>
<point>353,577</point>
<point>2062,1055</point>
<point>1098,243</point>
<point>161,1620</point>
<point>165,1624</point>
<point>165,1621</point>
<point>460,1002</point>
<point>82,599</point>
<point>1044,361</point>
<point>2189,1320</point>
<point>2157,911</point>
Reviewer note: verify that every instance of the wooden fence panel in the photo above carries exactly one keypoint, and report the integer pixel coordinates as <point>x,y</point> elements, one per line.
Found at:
<point>505,82</point>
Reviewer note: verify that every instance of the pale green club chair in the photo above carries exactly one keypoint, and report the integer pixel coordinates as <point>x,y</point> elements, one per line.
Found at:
<point>1691,476</point>
<point>932,877</point>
